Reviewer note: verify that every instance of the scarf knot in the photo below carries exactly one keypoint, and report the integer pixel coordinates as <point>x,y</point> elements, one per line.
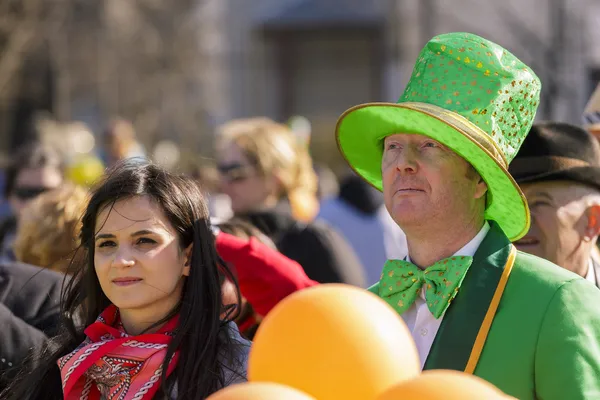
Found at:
<point>110,364</point>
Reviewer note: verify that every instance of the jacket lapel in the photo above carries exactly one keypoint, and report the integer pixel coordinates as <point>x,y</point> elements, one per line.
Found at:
<point>460,325</point>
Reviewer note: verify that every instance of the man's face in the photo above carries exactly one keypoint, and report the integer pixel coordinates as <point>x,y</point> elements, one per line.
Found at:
<point>30,183</point>
<point>559,221</point>
<point>424,182</point>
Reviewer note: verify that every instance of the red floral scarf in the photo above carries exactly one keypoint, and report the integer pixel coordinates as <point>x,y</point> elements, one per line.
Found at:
<point>110,364</point>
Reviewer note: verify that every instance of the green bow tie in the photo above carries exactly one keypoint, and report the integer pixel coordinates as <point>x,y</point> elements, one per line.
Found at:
<point>401,282</point>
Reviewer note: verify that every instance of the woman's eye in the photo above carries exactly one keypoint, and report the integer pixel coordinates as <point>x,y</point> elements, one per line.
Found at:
<point>146,241</point>
<point>108,243</point>
<point>392,146</point>
<point>430,144</point>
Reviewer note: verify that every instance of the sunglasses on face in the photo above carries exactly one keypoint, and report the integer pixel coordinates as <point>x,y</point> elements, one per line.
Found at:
<point>27,193</point>
<point>235,172</point>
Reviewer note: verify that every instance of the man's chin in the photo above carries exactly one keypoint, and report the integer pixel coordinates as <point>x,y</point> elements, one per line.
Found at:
<point>408,218</point>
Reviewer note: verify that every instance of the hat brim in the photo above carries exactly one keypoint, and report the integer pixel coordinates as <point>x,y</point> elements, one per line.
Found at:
<point>589,176</point>
<point>360,132</point>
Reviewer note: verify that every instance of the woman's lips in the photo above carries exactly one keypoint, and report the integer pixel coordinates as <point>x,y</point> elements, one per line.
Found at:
<point>128,281</point>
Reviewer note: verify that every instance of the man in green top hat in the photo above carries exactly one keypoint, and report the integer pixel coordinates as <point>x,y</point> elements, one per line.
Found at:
<point>472,302</point>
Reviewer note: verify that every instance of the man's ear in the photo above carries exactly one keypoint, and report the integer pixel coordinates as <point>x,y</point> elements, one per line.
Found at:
<point>188,259</point>
<point>593,221</point>
<point>481,188</point>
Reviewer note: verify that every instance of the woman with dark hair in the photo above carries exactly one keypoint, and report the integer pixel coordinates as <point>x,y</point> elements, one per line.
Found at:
<point>143,315</point>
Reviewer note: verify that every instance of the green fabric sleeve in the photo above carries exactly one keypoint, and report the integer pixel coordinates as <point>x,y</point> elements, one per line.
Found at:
<point>567,361</point>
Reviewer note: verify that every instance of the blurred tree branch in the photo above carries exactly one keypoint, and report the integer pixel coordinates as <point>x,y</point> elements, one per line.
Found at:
<point>18,25</point>
<point>545,52</point>
<point>138,59</point>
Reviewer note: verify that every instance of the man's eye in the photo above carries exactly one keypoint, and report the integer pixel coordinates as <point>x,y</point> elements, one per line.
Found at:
<point>430,144</point>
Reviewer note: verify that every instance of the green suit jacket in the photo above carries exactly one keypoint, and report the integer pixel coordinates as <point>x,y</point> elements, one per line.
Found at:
<point>544,342</point>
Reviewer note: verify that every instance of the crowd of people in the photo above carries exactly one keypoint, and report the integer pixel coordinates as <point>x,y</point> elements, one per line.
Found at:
<point>477,225</point>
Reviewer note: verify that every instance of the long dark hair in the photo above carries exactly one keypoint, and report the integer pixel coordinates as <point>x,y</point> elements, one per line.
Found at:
<point>209,354</point>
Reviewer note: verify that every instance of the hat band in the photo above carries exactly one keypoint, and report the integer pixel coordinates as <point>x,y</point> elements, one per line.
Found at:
<point>535,165</point>
<point>463,125</point>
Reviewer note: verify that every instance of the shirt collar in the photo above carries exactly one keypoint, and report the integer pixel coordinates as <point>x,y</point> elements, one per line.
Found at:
<point>470,248</point>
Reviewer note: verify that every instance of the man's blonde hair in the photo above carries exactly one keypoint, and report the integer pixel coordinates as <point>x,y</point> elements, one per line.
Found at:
<point>274,149</point>
<point>48,232</point>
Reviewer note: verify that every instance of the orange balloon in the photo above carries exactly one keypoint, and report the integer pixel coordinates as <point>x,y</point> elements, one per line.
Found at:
<point>334,342</point>
<point>446,385</point>
<point>259,391</point>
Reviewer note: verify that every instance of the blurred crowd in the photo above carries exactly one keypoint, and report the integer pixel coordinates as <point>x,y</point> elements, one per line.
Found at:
<point>264,191</point>
<point>262,185</point>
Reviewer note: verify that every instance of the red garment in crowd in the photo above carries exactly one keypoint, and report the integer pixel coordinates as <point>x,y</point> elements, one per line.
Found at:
<point>265,276</point>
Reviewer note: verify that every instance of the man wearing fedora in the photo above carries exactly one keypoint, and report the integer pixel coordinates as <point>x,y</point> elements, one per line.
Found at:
<point>471,300</point>
<point>558,169</point>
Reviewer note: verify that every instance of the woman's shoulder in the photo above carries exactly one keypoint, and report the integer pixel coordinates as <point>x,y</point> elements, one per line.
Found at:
<point>234,357</point>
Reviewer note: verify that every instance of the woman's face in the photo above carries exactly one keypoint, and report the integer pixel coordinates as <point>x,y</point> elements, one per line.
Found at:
<point>138,259</point>
<point>241,181</point>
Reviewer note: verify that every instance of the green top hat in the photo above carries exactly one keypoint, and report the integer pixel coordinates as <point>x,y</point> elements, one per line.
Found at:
<point>469,94</point>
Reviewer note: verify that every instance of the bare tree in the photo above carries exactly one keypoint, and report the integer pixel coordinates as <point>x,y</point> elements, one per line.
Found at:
<point>138,59</point>
<point>23,26</point>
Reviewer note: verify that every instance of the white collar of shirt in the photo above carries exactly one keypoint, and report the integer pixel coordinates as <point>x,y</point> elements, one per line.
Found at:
<point>468,249</point>
<point>591,274</point>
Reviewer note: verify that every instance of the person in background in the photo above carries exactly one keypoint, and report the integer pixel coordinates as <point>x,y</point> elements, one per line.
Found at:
<point>149,276</point>
<point>360,215</point>
<point>29,314</point>
<point>558,169</point>
<point>247,320</point>
<point>35,169</point>
<point>219,204</point>
<point>120,143</point>
<point>258,267</point>
<point>4,204</point>
<point>271,182</point>
<point>49,228</point>
<point>328,184</point>
<point>267,154</point>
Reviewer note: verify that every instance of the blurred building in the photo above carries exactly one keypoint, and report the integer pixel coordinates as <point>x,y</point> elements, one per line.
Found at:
<point>177,69</point>
<point>316,58</point>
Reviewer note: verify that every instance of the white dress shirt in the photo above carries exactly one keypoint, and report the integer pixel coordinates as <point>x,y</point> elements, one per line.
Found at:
<point>422,324</point>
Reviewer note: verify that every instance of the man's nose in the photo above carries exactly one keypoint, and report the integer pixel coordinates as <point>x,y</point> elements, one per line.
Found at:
<point>407,161</point>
